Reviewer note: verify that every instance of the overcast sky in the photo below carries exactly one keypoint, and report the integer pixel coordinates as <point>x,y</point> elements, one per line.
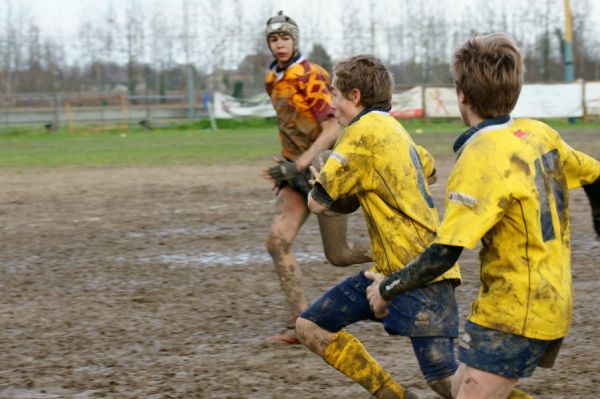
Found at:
<point>62,16</point>
<point>227,42</point>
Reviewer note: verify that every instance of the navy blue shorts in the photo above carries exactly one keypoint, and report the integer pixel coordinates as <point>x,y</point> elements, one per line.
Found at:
<point>429,315</point>
<point>509,355</point>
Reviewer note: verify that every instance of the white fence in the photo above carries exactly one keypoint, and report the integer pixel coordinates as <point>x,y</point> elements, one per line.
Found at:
<point>65,109</point>
<point>559,100</point>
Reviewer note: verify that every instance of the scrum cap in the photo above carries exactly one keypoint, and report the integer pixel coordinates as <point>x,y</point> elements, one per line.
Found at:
<point>281,23</point>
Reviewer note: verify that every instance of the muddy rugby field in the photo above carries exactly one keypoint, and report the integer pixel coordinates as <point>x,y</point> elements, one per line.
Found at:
<point>153,282</point>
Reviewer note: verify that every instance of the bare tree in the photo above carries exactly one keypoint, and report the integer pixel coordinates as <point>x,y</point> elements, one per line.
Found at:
<point>161,46</point>
<point>17,19</point>
<point>134,28</point>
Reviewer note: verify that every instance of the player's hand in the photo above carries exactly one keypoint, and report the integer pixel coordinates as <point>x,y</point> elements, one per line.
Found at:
<point>282,170</point>
<point>276,184</point>
<point>317,165</point>
<point>432,179</point>
<point>377,303</point>
<point>314,175</point>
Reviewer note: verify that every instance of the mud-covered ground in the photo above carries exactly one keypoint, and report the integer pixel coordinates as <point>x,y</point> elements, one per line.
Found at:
<point>154,283</point>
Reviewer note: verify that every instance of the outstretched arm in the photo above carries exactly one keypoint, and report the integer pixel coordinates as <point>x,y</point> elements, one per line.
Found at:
<point>436,260</point>
<point>329,134</point>
<point>286,170</point>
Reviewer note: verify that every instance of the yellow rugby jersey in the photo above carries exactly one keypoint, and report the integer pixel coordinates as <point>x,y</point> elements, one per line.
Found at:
<point>302,100</point>
<point>376,160</point>
<point>510,189</point>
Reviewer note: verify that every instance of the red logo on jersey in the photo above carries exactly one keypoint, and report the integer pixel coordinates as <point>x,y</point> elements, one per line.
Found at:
<point>520,134</point>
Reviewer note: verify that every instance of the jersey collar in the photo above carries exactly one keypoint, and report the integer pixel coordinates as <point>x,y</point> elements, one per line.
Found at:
<point>484,126</point>
<point>366,111</point>
<point>279,72</point>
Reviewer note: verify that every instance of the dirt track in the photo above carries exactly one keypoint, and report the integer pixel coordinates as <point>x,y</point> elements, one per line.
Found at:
<point>154,283</point>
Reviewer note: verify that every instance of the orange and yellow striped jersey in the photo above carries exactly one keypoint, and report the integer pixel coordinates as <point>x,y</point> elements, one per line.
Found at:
<point>301,98</point>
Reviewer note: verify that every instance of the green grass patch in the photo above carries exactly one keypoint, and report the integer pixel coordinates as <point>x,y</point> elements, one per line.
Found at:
<point>245,141</point>
<point>136,147</point>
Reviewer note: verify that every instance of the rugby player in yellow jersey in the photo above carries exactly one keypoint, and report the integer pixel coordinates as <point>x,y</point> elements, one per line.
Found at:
<point>300,95</point>
<point>377,161</point>
<point>510,189</point>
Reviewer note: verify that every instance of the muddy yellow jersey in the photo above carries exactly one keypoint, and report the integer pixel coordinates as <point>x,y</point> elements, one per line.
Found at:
<point>376,160</point>
<point>510,189</point>
<point>302,100</point>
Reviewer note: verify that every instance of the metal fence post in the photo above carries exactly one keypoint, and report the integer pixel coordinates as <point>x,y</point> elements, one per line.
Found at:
<point>191,92</point>
<point>57,112</point>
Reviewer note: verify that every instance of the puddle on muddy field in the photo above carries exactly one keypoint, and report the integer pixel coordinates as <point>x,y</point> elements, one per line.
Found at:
<point>228,258</point>
<point>18,393</point>
<point>204,231</point>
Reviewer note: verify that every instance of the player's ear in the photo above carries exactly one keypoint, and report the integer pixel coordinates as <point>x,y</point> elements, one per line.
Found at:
<point>356,96</point>
<point>461,97</point>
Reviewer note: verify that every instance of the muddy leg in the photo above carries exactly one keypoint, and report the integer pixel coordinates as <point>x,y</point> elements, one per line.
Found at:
<point>335,242</point>
<point>290,215</point>
<point>346,354</point>
<point>471,383</point>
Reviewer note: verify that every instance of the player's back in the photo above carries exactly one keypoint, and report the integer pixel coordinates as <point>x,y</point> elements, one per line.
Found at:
<point>517,177</point>
<point>392,189</point>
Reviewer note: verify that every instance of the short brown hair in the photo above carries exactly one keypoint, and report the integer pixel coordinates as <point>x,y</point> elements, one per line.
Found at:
<point>368,74</point>
<point>489,71</point>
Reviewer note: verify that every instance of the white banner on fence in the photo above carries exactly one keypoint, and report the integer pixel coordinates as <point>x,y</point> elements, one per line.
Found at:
<point>227,107</point>
<point>408,104</point>
<point>536,101</point>
<point>550,101</point>
<point>592,98</point>
<point>441,102</point>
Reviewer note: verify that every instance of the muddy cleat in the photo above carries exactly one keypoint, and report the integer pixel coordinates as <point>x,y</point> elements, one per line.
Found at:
<point>284,340</point>
<point>288,336</point>
<point>392,390</point>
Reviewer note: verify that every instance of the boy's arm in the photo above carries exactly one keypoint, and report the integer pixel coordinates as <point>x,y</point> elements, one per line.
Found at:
<point>320,202</point>
<point>318,100</point>
<point>286,170</point>
<point>337,182</point>
<point>583,170</point>
<point>433,262</point>
<point>329,134</point>
<point>580,168</point>
<point>593,193</point>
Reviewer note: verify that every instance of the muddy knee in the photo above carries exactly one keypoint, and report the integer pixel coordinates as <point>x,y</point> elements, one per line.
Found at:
<point>346,255</point>
<point>339,256</point>
<point>277,246</point>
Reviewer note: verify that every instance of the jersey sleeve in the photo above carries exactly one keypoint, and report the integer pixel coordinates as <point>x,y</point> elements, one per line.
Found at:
<point>476,199</point>
<point>318,97</point>
<point>580,169</point>
<point>345,167</point>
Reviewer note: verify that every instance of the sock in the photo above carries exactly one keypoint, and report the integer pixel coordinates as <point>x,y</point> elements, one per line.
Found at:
<point>346,354</point>
<point>518,394</point>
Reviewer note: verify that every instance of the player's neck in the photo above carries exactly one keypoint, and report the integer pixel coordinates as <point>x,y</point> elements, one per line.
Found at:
<point>474,118</point>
